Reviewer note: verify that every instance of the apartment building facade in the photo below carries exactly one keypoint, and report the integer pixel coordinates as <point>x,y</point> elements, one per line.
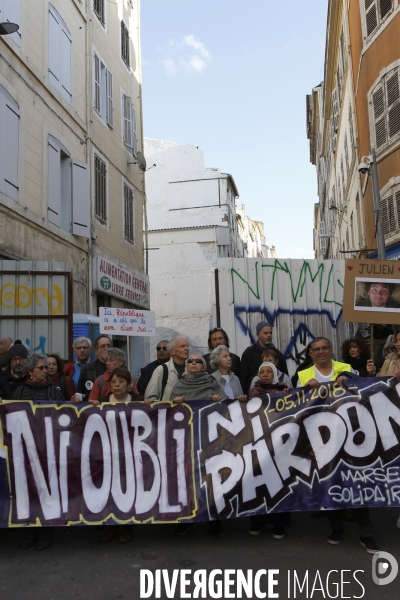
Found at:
<point>332,128</point>
<point>354,110</point>
<point>71,128</point>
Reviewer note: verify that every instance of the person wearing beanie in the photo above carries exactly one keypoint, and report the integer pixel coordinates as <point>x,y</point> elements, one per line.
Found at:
<point>252,356</point>
<point>14,375</point>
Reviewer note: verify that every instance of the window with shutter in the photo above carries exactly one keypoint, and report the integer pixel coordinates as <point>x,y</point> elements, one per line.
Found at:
<point>100,189</point>
<point>125,54</point>
<point>129,228</point>
<point>9,140</point>
<point>128,133</point>
<point>376,12</point>
<point>390,212</point>
<point>386,109</point>
<point>99,10</point>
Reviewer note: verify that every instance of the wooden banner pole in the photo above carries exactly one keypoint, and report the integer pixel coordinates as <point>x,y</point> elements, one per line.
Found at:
<point>372,340</point>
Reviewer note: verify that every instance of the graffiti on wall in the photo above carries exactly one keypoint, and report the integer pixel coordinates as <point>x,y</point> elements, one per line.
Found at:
<point>302,299</point>
<point>24,297</point>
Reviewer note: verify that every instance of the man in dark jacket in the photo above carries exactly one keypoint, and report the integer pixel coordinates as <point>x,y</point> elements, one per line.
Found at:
<point>163,356</point>
<point>14,375</point>
<point>219,337</point>
<point>94,369</point>
<point>251,357</point>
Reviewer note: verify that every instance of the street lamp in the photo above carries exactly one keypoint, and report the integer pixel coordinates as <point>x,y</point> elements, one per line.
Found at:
<point>368,165</point>
<point>8,28</point>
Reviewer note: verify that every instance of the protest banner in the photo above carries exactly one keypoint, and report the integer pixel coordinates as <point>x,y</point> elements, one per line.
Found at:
<point>127,321</point>
<point>328,448</point>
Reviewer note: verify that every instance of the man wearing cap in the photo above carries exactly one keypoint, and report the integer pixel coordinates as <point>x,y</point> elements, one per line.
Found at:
<point>147,371</point>
<point>252,356</point>
<point>14,375</point>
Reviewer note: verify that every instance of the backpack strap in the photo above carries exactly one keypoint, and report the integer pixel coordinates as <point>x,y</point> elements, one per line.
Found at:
<point>164,379</point>
<point>101,383</point>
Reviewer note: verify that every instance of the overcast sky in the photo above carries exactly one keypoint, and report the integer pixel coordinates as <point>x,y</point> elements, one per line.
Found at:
<point>232,78</point>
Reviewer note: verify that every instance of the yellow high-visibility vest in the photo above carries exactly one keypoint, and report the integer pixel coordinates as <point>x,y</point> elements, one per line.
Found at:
<point>307,374</point>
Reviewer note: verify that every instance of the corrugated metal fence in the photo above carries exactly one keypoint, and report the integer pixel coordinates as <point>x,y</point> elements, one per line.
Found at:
<point>302,299</point>
<point>36,304</point>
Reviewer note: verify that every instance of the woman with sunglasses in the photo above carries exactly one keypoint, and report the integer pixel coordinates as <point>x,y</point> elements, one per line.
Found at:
<point>38,386</point>
<point>197,384</point>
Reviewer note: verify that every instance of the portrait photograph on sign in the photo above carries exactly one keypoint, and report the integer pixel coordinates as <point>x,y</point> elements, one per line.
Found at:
<point>371,292</point>
<point>377,295</point>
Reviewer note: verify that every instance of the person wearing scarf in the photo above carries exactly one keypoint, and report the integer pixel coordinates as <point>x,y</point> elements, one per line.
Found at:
<point>268,382</point>
<point>197,384</point>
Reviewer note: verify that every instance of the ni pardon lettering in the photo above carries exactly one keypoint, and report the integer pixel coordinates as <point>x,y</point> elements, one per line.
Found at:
<point>333,447</point>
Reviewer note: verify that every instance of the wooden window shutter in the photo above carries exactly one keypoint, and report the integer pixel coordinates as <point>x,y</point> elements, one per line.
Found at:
<point>393,103</point>
<point>54,184</point>
<point>80,199</point>
<point>397,206</point>
<point>66,64</point>
<point>378,102</point>
<point>371,16</point>
<point>110,101</point>
<point>385,6</point>
<point>97,83</point>
<point>134,132</point>
<point>54,49</point>
<point>9,140</point>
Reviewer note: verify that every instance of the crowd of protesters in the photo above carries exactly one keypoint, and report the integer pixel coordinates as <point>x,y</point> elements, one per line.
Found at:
<point>179,376</point>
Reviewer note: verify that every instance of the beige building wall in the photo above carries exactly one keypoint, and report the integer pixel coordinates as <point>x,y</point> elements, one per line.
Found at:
<point>26,61</point>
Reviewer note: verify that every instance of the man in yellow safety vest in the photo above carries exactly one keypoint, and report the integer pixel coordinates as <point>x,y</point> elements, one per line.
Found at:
<point>324,368</point>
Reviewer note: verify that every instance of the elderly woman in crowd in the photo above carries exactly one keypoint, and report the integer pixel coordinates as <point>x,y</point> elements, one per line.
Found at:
<point>113,358</point>
<point>197,384</point>
<point>55,371</point>
<point>38,386</point>
<point>268,381</point>
<point>357,353</point>
<point>271,356</point>
<point>221,363</point>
